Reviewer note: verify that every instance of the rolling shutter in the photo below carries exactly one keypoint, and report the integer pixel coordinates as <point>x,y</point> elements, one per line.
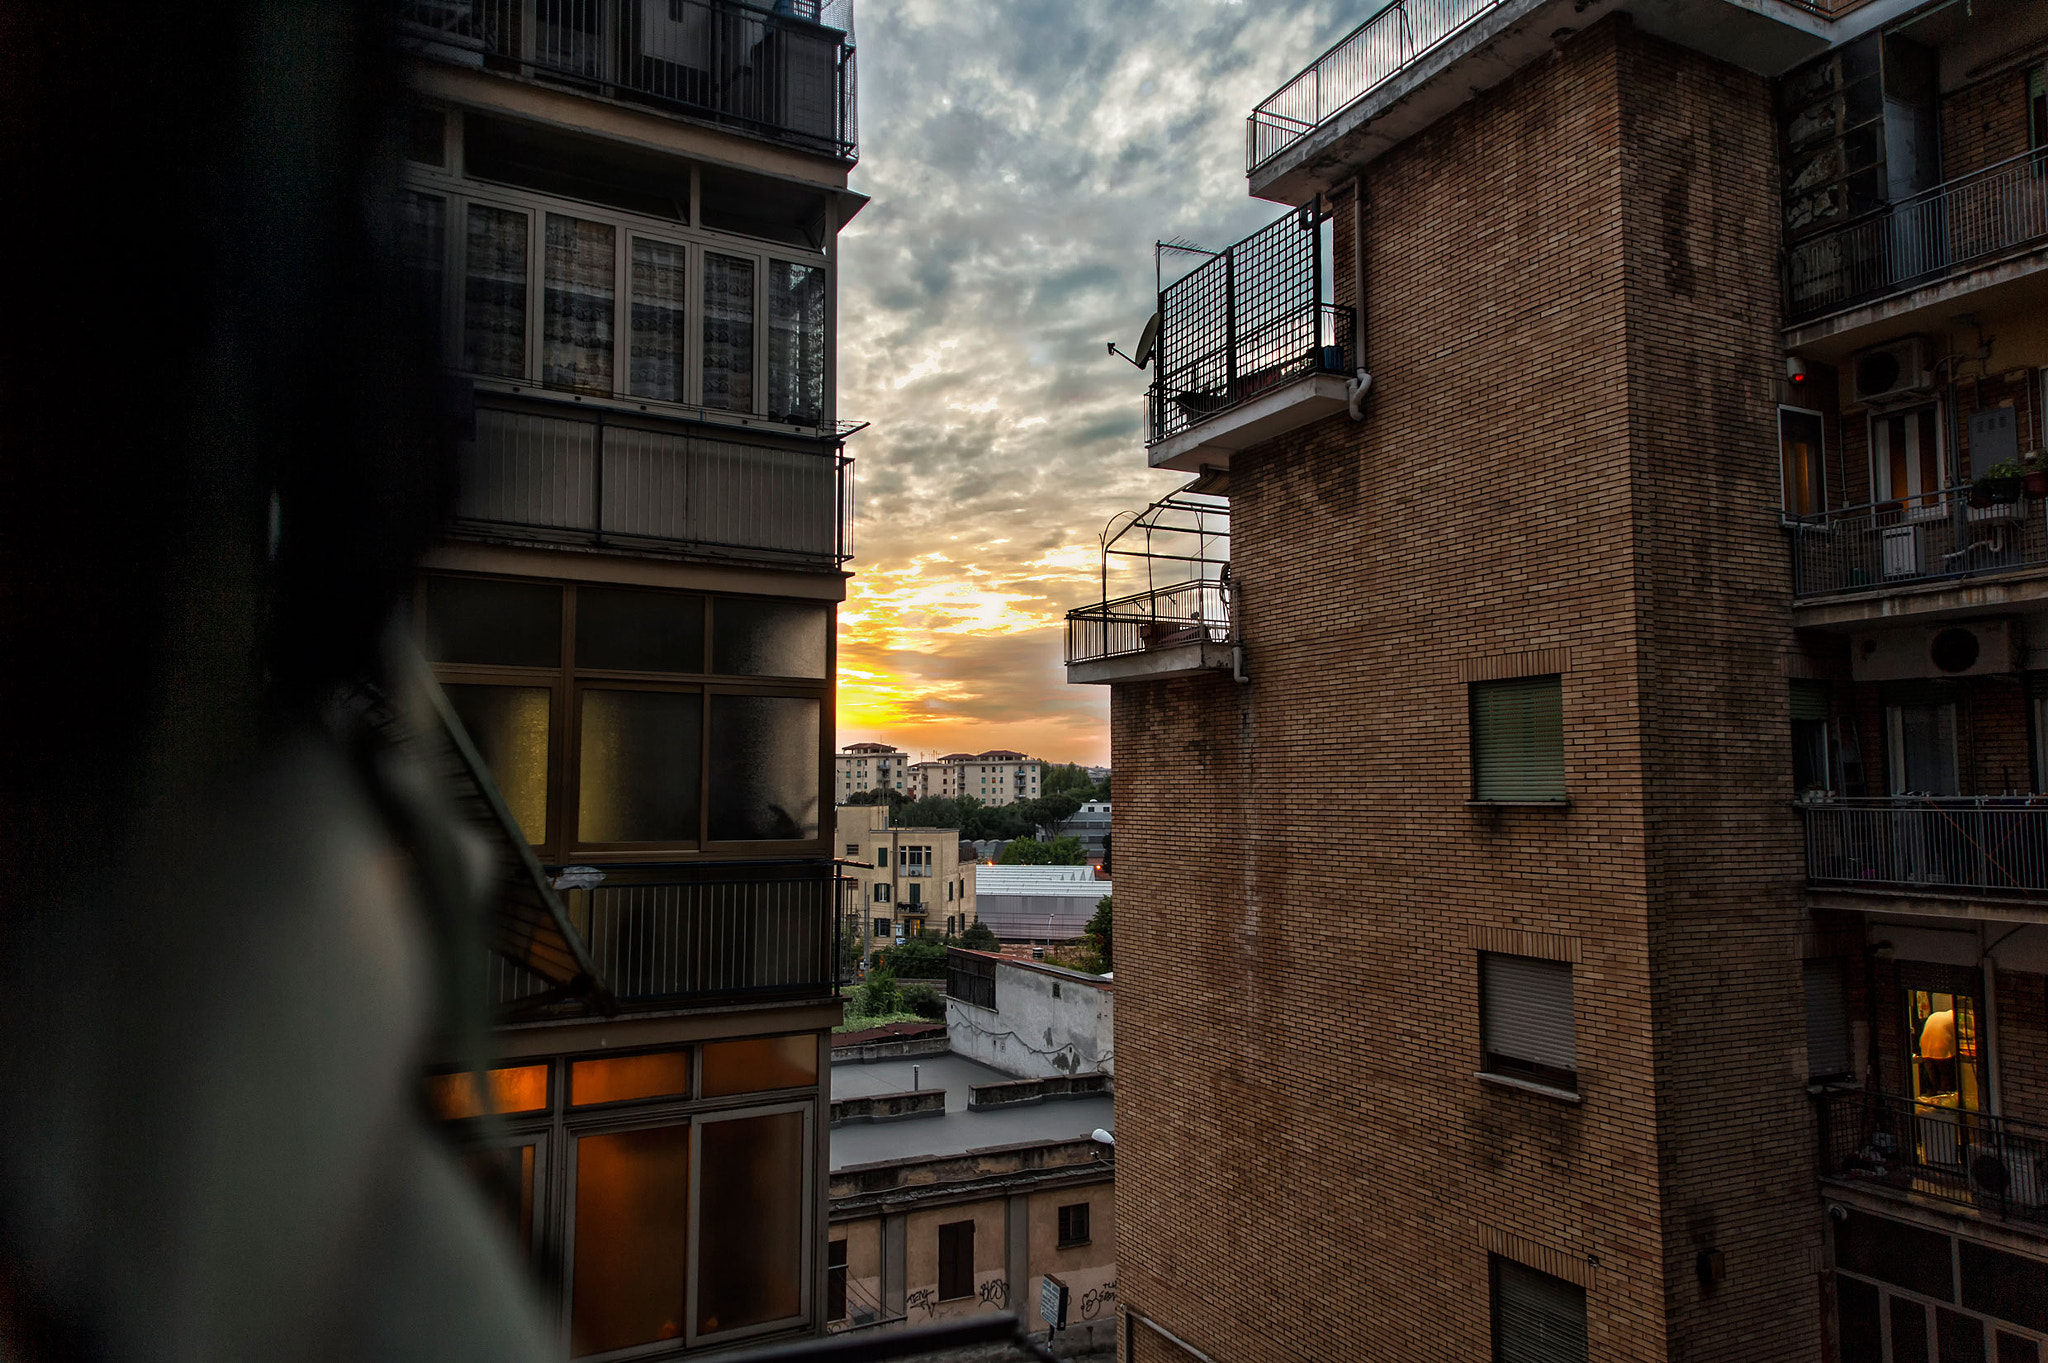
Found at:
<point>1518,739</point>
<point>1827,1023</point>
<point>1536,1318</point>
<point>1810,700</point>
<point>1526,1010</point>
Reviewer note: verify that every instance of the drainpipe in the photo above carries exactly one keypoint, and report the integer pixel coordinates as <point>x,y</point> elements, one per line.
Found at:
<point>1356,389</point>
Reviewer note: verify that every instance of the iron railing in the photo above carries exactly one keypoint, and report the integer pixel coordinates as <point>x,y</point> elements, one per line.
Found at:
<point>1185,613</point>
<point>1936,535</point>
<point>783,70</point>
<point>1974,844</point>
<point>1995,1164</point>
<point>1915,241</point>
<point>594,478</point>
<point>663,934</point>
<point>1392,40</point>
<point>1244,322</point>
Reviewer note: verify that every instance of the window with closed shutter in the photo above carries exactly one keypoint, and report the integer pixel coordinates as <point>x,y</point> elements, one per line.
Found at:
<point>1536,1318</point>
<point>1525,1019</point>
<point>1827,1023</point>
<point>1518,739</point>
<point>956,1260</point>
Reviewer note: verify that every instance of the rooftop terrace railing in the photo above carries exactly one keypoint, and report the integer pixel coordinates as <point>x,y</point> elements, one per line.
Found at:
<point>1246,321</point>
<point>1385,45</point>
<point>1994,1164</point>
<point>1959,844</point>
<point>1929,537</point>
<point>1184,613</point>
<point>1917,241</point>
<point>782,70</point>
<point>597,479</point>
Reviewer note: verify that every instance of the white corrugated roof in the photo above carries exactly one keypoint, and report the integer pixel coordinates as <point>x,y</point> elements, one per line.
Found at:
<point>1039,880</point>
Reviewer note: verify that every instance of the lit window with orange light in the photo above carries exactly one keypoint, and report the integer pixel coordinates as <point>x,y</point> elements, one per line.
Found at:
<point>465,1094</point>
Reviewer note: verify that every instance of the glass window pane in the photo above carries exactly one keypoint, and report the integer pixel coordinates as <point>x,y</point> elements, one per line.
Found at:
<point>659,271</point>
<point>634,631</point>
<point>576,316</point>
<point>423,247</point>
<point>754,638</point>
<point>516,1088</point>
<point>632,1237</point>
<point>729,333</point>
<point>796,342</point>
<point>1518,739</point>
<point>764,768</point>
<point>506,1176</point>
<point>750,1235</point>
<point>474,620</point>
<point>619,1078</point>
<point>509,726</point>
<point>759,1064</point>
<point>494,293</point>
<point>639,766</point>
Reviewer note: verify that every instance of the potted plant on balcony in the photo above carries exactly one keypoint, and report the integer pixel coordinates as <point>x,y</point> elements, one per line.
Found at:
<point>2034,475</point>
<point>1998,485</point>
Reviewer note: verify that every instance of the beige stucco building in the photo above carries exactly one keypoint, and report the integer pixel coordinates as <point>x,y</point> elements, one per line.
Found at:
<point>996,777</point>
<point>861,767</point>
<point>902,880</point>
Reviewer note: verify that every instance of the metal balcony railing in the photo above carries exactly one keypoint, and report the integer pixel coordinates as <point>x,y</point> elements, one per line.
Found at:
<point>1388,43</point>
<point>675,934</point>
<point>1937,535</point>
<point>1922,239</point>
<point>593,478</point>
<point>1246,321</point>
<point>1994,1164</point>
<point>782,70</point>
<point>1968,844</point>
<point>1185,613</point>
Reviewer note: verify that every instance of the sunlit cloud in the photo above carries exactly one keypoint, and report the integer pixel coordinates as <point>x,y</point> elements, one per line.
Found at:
<point>1022,159</point>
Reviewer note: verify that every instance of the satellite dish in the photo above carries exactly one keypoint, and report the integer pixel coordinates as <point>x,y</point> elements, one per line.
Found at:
<point>1147,339</point>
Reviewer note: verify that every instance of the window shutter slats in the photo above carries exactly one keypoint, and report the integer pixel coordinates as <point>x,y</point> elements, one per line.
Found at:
<point>1809,700</point>
<point>1526,1009</point>
<point>1518,739</point>
<point>1536,1318</point>
<point>1827,1022</point>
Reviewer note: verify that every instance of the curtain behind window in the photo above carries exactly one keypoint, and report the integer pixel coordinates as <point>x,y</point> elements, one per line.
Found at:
<point>577,305</point>
<point>659,275</point>
<point>796,342</point>
<point>729,333</point>
<point>494,293</point>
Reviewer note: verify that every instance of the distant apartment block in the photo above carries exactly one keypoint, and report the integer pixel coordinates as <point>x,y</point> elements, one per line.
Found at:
<point>913,880</point>
<point>862,767</point>
<point>995,777</point>
<point>1657,642</point>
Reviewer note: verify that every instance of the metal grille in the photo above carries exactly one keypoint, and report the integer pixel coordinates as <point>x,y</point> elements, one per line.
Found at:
<point>1247,320</point>
<point>970,978</point>
<point>786,73</point>
<point>1982,844</point>
<point>1917,240</point>
<point>589,478</point>
<point>1995,1164</point>
<point>1939,535</point>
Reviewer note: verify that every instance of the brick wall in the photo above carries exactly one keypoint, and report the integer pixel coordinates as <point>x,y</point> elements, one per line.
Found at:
<point>1984,122</point>
<point>2022,1040</point>
<point>1571,298</point>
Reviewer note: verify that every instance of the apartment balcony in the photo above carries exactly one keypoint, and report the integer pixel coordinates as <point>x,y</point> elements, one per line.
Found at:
<point>784,72</point>
<point>680,936</point>
<point>1976,856</point>
<point>1969,233</point>
<point>1924,557</point>
<point>1996,1166</point>
<point>1180,627</point>
<point>1247,348</point>
<point>537,473</point>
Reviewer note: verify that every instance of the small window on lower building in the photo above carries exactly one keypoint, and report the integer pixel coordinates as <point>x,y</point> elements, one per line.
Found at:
<point>956,1260</point>
<point>881,927</point>
<point>835,1280</point>
<point>853,849</point>
<point>1525,1019</point>
<point>1536,1318</point>
<point>1074,1225</point>
<point>1518,740</point>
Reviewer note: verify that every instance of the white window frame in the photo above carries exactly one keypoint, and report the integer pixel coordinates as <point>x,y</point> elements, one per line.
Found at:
<point>1880,462</point>
<point>457,192</point>
<point>1789,515</point>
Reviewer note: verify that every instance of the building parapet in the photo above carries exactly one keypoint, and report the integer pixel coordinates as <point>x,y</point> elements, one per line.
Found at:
<point>1025,1092</point>
<point>886,1107</point>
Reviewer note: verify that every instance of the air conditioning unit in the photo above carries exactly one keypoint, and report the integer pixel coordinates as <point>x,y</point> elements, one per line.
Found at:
<point>1888,372</point>
<point>1972,650</point>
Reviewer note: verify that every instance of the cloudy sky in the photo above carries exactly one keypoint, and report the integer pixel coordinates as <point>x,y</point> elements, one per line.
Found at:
<point>1022,156</point>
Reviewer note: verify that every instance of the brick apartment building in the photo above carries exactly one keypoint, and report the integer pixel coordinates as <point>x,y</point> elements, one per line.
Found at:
<point>1650,634</point>
<point>624,219</point>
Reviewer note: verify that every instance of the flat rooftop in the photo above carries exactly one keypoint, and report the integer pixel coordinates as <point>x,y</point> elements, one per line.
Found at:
<point>959,1130</point>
